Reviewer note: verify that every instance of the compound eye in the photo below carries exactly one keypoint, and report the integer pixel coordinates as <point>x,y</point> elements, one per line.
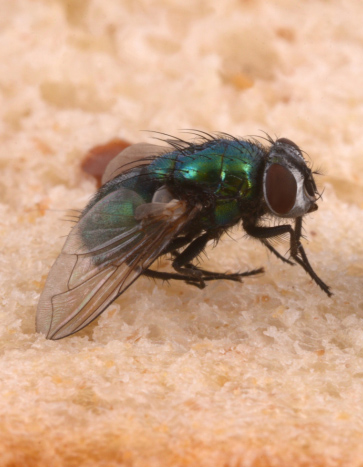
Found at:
<point>281,189</point>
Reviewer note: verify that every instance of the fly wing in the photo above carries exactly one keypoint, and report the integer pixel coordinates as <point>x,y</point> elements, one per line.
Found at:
<point>112,244</point>
<point>131,157</point>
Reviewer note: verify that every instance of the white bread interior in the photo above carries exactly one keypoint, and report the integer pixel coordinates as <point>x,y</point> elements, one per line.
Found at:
<point>264,373</point>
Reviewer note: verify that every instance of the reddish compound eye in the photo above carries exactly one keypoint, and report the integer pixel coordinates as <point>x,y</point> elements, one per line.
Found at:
<point>280,189</point>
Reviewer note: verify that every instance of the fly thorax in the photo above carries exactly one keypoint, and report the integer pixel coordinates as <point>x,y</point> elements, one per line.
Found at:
<point>288,185</point>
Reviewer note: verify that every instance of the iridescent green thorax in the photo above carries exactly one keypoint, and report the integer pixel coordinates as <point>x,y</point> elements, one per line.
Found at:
<point>226,168</point>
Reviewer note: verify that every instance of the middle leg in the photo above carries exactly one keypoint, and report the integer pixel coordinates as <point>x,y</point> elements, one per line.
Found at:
<point>183,264</point>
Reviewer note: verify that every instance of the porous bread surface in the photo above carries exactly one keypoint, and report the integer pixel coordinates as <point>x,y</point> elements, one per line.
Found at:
<point>264,373</point>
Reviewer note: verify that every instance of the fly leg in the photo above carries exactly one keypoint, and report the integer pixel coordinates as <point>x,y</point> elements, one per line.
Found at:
<point>176,244</point>
<point>184,274</point>
<point>183,264</point>
<point>207,275</point>
<point>211,276</point>
<point>166,276</point>
<point>275,252</point>
<point>296,249</point>
<point>182,260</point>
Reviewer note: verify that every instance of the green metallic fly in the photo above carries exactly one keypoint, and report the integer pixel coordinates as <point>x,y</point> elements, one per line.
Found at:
<point>159,200</point>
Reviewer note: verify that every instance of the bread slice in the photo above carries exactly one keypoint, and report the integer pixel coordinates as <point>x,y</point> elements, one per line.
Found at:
<point>264,373</point>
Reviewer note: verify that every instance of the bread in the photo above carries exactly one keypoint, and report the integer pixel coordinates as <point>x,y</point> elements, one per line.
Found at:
<point>264,373</point>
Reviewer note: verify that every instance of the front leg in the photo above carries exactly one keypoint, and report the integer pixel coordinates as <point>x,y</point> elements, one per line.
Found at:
<point>296,249</point>
<point>303,259</point>
<point>275,252</point>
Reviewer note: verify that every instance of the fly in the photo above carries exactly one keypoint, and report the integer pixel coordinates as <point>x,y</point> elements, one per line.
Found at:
<point>158,200</point>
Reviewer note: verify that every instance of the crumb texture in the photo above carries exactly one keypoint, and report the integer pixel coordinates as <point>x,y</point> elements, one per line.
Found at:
<point>264,373</point>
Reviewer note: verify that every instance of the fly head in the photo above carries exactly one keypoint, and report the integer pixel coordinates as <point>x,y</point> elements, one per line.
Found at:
<point>288,184</point>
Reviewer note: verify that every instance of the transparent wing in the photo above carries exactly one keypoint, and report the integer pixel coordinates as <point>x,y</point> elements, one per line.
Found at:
<point>131,157</point>
<point>112,244</point>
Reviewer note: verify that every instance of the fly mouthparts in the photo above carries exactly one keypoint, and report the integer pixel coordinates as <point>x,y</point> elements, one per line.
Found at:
<point>313,207</point>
